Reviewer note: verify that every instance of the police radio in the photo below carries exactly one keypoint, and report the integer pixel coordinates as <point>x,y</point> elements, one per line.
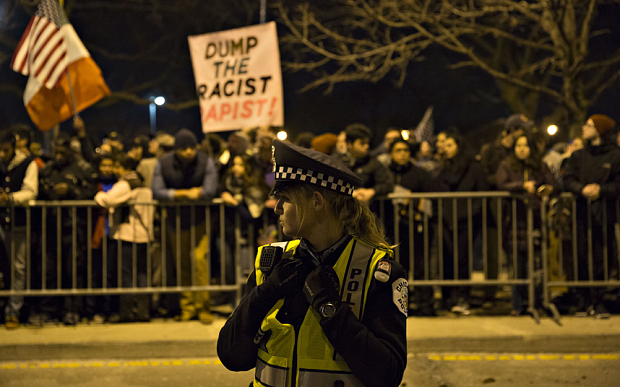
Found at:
<point>270,256</point>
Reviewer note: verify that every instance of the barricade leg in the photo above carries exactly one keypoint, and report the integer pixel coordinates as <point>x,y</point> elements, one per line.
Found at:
<point>15,303</point>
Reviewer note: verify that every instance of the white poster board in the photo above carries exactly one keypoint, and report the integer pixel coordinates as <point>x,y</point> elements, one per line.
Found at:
<point>238,78</point>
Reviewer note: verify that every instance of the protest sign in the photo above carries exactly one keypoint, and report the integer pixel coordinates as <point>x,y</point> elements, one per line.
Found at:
<point>238,77</point>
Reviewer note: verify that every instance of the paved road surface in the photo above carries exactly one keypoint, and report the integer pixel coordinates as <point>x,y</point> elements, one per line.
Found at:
<point>424,370</point>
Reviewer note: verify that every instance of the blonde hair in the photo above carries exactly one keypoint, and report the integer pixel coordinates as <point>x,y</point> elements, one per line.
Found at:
<point>355,217</point>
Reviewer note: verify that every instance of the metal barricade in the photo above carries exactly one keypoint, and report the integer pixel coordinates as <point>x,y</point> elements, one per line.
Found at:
<point>570,243</point>
<point>440,233</point>
<point>58,237</point>
<point>585,236</point>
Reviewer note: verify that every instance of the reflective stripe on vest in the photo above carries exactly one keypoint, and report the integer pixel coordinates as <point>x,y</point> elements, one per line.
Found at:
<point>317,362</point>
<point>328,378</point>
<point>270,375</point>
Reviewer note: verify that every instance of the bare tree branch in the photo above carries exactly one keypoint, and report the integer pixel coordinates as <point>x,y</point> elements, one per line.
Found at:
<point>539,47</point>
<point>117,96</point>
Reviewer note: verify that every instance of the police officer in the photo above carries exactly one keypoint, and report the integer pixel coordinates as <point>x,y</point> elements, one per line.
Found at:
<point>333,311</point>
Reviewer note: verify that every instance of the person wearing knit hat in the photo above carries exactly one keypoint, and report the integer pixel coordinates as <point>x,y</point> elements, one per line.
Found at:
<point>517,121</point>
<point>184,139</point>
<point>309,300</point>
<point>603,124</point>
<point>325,143</point>
<point>592,175</point>
<point>188,176</point>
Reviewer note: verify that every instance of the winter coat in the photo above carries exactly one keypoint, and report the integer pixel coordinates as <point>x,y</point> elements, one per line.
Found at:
<point>373,174</point>
<point>511,179</point>
<point>132,223</point>
<point>595,164</point>
<point>462,173</point>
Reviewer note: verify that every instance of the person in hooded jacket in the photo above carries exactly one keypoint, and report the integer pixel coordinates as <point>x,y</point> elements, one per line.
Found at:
<point>592,174</point>
<point>460,172</point>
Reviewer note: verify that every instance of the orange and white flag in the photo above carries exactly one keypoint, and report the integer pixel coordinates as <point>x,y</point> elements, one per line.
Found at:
<point>49,53</point>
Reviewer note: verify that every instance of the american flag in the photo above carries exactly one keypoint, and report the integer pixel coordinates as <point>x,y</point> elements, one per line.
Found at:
<point>426,127</point>
<point>42,51</point>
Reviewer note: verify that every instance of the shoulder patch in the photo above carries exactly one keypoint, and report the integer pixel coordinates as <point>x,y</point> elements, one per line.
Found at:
<point>400,295</point>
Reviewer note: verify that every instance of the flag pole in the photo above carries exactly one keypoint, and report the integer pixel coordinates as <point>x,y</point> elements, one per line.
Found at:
<point>73,105</point>
<point>263,11</point>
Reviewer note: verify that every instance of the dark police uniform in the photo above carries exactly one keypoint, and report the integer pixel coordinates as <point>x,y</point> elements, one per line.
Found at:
<point>360,342</point>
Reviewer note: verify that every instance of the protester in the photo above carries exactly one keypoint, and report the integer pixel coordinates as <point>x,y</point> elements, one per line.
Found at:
<point>459,172</point>
<point>115,141</point>
<point>410,178</point>
<point>341,144</point>
<point>66,177</point>
<point>391,134</point>
<point>98,309</point>
<point>23,142</point>
<point>245,193</point>
<point>439,141</point>
<point>132,225</point>
<point>304,140</point>
<point>325,143</point>
<point>86,146</point>
<point>514,126</point>
<point>303,319</point>
<point>135,150</point>
<point>375,179</point>
<point>244,189</point>
<point>19,177</point>
<point>523,172</point>
<point>186,175</point>
<point>592,174</point>
<point>422,153</point>
<point>161,144</point>
<point>237,145</point>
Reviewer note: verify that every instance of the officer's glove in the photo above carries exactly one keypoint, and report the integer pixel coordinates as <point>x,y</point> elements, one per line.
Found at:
<point>322,286</point>
<point>286,279</point>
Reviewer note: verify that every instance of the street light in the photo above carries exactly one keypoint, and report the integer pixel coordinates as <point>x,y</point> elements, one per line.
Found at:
<point>552,129</point>
<point>282,135</point>
<point>155,101</point>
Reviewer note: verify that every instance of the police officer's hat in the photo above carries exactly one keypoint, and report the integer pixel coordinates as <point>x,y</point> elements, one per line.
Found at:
<point>294,164</point>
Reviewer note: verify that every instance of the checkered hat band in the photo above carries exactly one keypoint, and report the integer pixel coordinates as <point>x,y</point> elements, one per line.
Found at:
<point>321,179</point>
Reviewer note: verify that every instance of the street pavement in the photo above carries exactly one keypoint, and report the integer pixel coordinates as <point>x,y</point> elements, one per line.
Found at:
<point>447,333</point>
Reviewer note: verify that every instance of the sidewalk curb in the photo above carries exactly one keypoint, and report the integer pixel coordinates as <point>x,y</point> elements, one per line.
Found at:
<point>166,339</point>
<point>114,350</point>
<point>207,348</point>
<point>516,344</point>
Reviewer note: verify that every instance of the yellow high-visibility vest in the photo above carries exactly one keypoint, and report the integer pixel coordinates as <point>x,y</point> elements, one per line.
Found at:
<point>306,358</point>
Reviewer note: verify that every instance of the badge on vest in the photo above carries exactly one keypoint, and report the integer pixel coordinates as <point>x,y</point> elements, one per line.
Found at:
<point>400,295</point>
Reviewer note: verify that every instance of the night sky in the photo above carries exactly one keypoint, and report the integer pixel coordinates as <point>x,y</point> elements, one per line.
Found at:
<point>465,99</point>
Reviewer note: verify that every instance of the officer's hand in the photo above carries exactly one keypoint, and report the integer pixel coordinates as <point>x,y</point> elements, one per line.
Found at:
<point>322,286</point>
<point>286,279</point>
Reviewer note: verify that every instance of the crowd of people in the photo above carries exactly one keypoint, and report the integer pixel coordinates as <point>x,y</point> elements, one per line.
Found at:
<point>238,169</point>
